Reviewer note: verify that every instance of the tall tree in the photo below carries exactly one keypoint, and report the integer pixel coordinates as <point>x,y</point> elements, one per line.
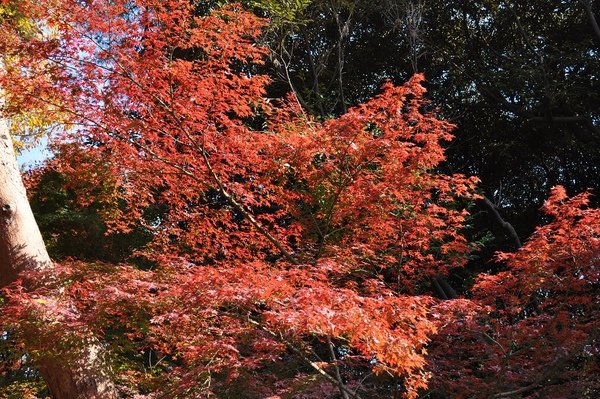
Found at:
<point>283,232</point>
<point>22,249</point>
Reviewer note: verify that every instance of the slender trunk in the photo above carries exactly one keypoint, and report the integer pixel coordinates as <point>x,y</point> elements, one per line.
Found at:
<point>343,31</point>
<point>587,4</point>
<point>22,249</point>
<point>506,225</point>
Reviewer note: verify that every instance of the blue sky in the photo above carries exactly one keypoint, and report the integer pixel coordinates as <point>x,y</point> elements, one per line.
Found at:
<point>34,155</point>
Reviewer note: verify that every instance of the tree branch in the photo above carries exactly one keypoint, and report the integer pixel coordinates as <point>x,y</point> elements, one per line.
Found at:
<point>587,4</point>
<point>506,225</point>
<point>549,373</point>
<point>443,288</point>
<point>312,364</point>
<point>338,376</point>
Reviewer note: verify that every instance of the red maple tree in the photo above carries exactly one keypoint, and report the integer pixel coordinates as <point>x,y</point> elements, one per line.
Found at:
<point>535,333</point>
<point>282,247</point>
<point>275,232</point>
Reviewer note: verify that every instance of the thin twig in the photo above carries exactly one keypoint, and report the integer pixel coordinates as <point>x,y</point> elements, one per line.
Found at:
<point>336,368</point>
<point>314,365</point>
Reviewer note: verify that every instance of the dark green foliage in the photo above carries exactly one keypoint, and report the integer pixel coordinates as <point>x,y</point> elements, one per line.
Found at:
<point>73,230</point>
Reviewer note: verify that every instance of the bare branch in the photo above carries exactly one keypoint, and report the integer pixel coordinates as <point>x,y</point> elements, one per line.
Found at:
<point>506,225</point>
<point>587,4</point>
<point>312,364</point>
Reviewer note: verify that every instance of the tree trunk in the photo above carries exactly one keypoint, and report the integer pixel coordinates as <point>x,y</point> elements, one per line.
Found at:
<point>22,249</point>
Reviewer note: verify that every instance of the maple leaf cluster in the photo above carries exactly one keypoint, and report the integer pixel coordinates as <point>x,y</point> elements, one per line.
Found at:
<point>536,331</point>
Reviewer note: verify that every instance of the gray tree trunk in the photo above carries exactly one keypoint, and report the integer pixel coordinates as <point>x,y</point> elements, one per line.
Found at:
<point>22,249</point>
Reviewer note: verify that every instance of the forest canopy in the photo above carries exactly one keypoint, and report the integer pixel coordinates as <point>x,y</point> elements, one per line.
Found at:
<point>300,199</point>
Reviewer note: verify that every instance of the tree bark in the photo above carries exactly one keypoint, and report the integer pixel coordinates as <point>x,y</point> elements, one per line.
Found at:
<point>22,249</point>
<point>506,225</point>
<point>443,288</point>
<point>587,4</point>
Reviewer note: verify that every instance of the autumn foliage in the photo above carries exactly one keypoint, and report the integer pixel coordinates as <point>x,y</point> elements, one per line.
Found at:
<point>286,256</point>
<point>536,333</point>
